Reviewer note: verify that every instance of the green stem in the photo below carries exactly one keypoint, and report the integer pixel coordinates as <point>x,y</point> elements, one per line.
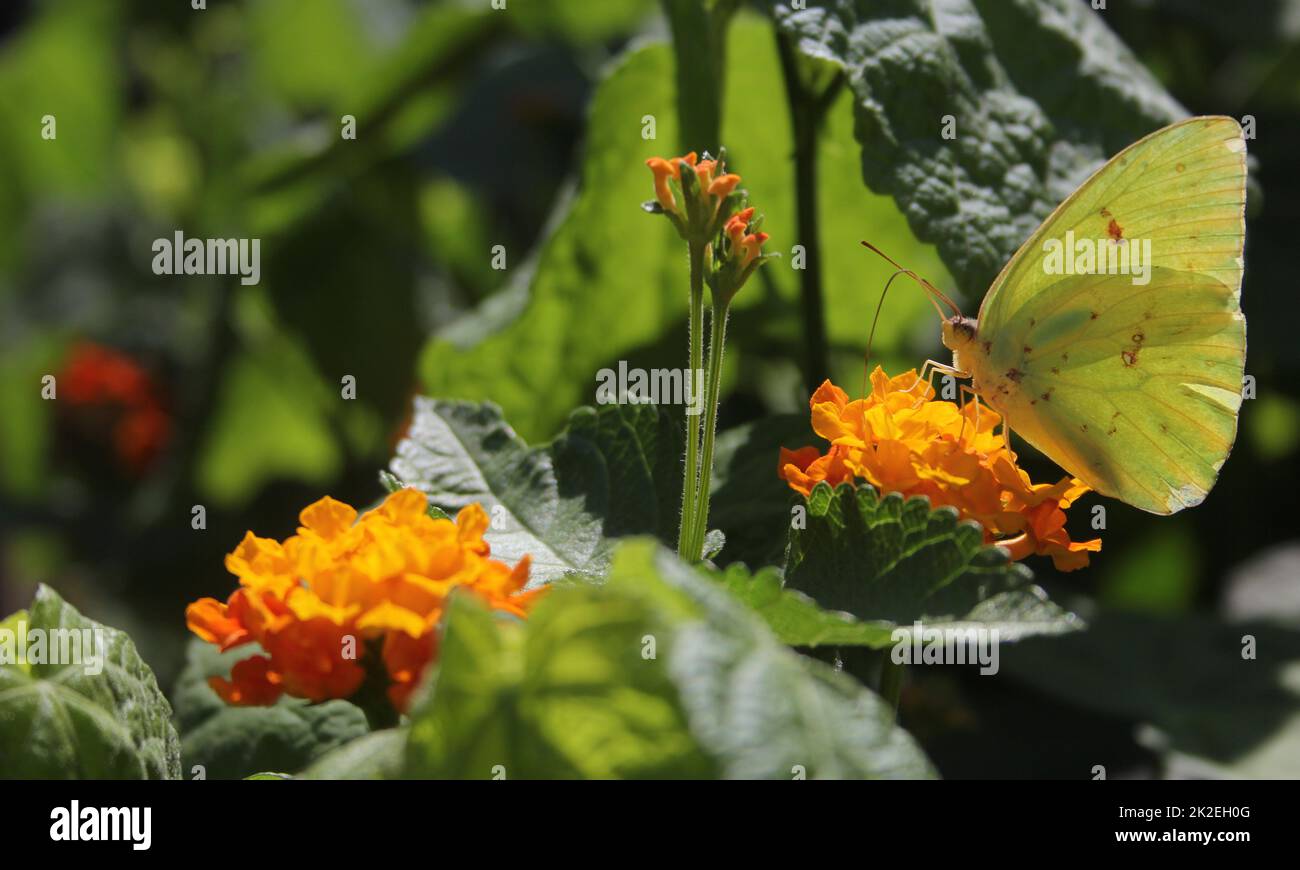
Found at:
<point>891,681</point>
<point>699,32</point>
<point>696,331</point>
<point>717,338</point>
<point>808,102</point>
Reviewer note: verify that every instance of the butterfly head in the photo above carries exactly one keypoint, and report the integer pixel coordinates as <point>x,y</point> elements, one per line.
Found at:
<point>959,337</point>
<point>958,332</point>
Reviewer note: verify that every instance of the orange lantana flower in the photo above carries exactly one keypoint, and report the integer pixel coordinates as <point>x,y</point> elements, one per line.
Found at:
<point>745,246</point>
<point>342,585</point>
<point>899,439</point>
<point>701,214</point>
<point>665,172</point>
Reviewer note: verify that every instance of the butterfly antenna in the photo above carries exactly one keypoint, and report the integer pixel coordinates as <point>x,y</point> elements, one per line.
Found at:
<point>934,292</point>
<point>871,336</point>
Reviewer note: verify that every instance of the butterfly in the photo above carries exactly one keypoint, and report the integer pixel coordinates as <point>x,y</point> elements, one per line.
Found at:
<point>1114,341</point>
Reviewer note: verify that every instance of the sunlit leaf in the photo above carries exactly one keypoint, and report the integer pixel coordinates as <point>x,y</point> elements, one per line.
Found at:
<point>96,716</point>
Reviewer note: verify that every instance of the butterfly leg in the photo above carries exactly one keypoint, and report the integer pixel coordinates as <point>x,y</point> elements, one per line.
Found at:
<point>1006,429</point>
<point>1006,437</point>
<point>921,377</point>
<point>962,390</point>
<point>928,368</point>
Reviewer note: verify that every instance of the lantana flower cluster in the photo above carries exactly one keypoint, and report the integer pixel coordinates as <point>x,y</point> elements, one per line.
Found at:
<point>702,200</point>
<point>696,199</point>
<point>900,439</point>
<point>725,246</point>
<point>323,603</point>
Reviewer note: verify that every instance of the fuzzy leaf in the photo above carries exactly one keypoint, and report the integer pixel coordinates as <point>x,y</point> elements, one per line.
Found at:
<point>895,562</point>
<point>59,721</point>
<point>795,618</point>
<point>377,755</point>
<point>760,709</point>
<point>614,471</point>
<point>568,696</point>
<point>233,742</point>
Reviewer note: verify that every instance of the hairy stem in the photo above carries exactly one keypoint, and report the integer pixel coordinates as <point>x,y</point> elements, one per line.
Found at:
<point>695,329</point>
<point>717,338</point>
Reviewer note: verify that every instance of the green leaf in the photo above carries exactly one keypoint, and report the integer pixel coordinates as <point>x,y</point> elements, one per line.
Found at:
<point>569,696</point>
<point>377,755</point>
<point>580,21</point>
<point>17,623</point>
<point>61,721</point>
<point>1041,91</point>
<point>760,709</point>
<point>25,418</point>
<point>659,673</point>
<point>64,63</point>
<point>795,618</point>
<point>1215,706</point>
<point>896,562</point>
<point>398,94</point>
<point>328,60</point>
<point>614,471</point>
<point>270,422</point>
<point>230,742</point>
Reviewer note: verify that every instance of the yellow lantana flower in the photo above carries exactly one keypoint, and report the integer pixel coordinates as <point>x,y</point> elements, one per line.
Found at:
<point>383,578</point>
<point>899,439</point>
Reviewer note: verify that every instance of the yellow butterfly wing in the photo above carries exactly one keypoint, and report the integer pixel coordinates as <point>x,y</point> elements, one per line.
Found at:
<point>1132,387</point>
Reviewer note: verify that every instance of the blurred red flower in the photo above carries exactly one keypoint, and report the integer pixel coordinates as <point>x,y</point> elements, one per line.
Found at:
<point>101,378</point>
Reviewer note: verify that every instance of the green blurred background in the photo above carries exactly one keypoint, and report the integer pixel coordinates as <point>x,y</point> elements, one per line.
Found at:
<point>472,128</point>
